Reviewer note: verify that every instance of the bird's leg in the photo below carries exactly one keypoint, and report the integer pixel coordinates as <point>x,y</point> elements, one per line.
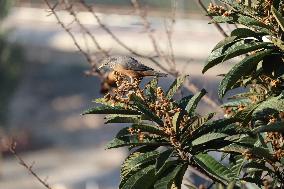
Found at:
<point>131,80</point>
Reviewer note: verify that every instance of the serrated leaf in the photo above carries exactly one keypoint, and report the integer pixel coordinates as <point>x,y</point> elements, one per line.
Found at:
<point>221,19</point>
<point>143,128</point>
<point>208,138</point>
<point>274,127</point>
<point>135,161</point>
<point>239,48</point>
<point>243,68</point>
<point>226,41</point>
<point>251,22</point>
<point>167,181</point>
<point>213,167</point>
<point>143,179</point>
<point>107,102</point>
<point>111,110</point>
<point>245,32</point>
<point>278,16</point>
<point>175,122</point>
<point>236,168</point>
<point>150,89</point>
<point>161,160</point>
<point>254,164</point>
<point>213,126</point>
<point>278,43</point>
<point>175,86</point>
<point>270,106</point>
<point>192,103</point>
<point>184,101</point>
<point>122,119</point>
<point>140,104</point>
<point>133,141</point>
<point>236,103</point>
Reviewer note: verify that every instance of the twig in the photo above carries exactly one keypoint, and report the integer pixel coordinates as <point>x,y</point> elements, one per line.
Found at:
<point>28,167</point>
<point>170,30</point>
<point>219,28</point>
<point>86,55</point>
<point>70,9</point>
<point>147,27</point>
<point>116,39</point>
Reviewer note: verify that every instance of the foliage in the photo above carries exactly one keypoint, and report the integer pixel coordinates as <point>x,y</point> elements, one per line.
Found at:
<point>165,135</point>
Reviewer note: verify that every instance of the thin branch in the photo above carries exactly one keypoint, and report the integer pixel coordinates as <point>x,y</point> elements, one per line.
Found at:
<point>147,27</point>
<point>86,55</point>
<point>70,9</point>
<point>28,167</point>
<point>219,28</point>
<point>170,30</point>
<point>116,39</point>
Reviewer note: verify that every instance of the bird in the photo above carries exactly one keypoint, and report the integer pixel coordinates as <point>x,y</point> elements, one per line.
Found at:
<point>130,67</point>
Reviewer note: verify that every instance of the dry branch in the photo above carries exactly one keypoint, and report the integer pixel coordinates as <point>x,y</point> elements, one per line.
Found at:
<point>28,167</point>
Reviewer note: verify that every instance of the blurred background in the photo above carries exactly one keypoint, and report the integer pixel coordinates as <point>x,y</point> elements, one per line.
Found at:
<point>44,88</point>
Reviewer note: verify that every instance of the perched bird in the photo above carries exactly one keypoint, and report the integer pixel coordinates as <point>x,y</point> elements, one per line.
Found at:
<point>130,67</point>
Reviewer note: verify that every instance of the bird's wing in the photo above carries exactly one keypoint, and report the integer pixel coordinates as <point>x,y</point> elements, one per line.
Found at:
<point>133,64</point>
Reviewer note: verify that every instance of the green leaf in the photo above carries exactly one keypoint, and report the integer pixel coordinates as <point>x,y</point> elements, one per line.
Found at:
<point>208,138</point>
<point>234,148</point>
<point>251,22</point>
<point>257,165</point>
<point>175,86</point>
<point>143,179</point>
<point>278,16</point>
<point>222,54</point>
<point>226,41</point>
<point>274,127</point>
<point>136,160</point>
<point>123,119</point>
<point>270,106</point>
<point>184,101</point>
<point>176,121</point>
<point>107,102</point>
<point>141,106</point>
<point>213,168</point>
<point>236,168</point>
<point>133,141</point>
<point>213,126</point>
<point>161,160</point>
<point>245,33</point>
<point>221,19</point>
<point>111,110</point>
<point>192,103</point>
<point>243,68</point>
<point>278,43</point>
<point>167,181</point>
<point>143,128</point>
<point>150,90</point>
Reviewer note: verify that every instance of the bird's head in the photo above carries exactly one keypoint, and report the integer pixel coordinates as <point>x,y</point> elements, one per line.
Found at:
<point>108,62</point>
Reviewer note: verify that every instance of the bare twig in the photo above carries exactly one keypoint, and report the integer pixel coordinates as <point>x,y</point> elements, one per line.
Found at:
<point>219,28</point>
<point>116,39</point>
<point>147,27</point>
<point>86,55</point>
<point>170,30</point>
<point>70,9</point>
<point>28,167</point>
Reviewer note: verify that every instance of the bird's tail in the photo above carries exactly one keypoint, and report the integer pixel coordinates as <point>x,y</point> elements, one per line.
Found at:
<point>159,74</point>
